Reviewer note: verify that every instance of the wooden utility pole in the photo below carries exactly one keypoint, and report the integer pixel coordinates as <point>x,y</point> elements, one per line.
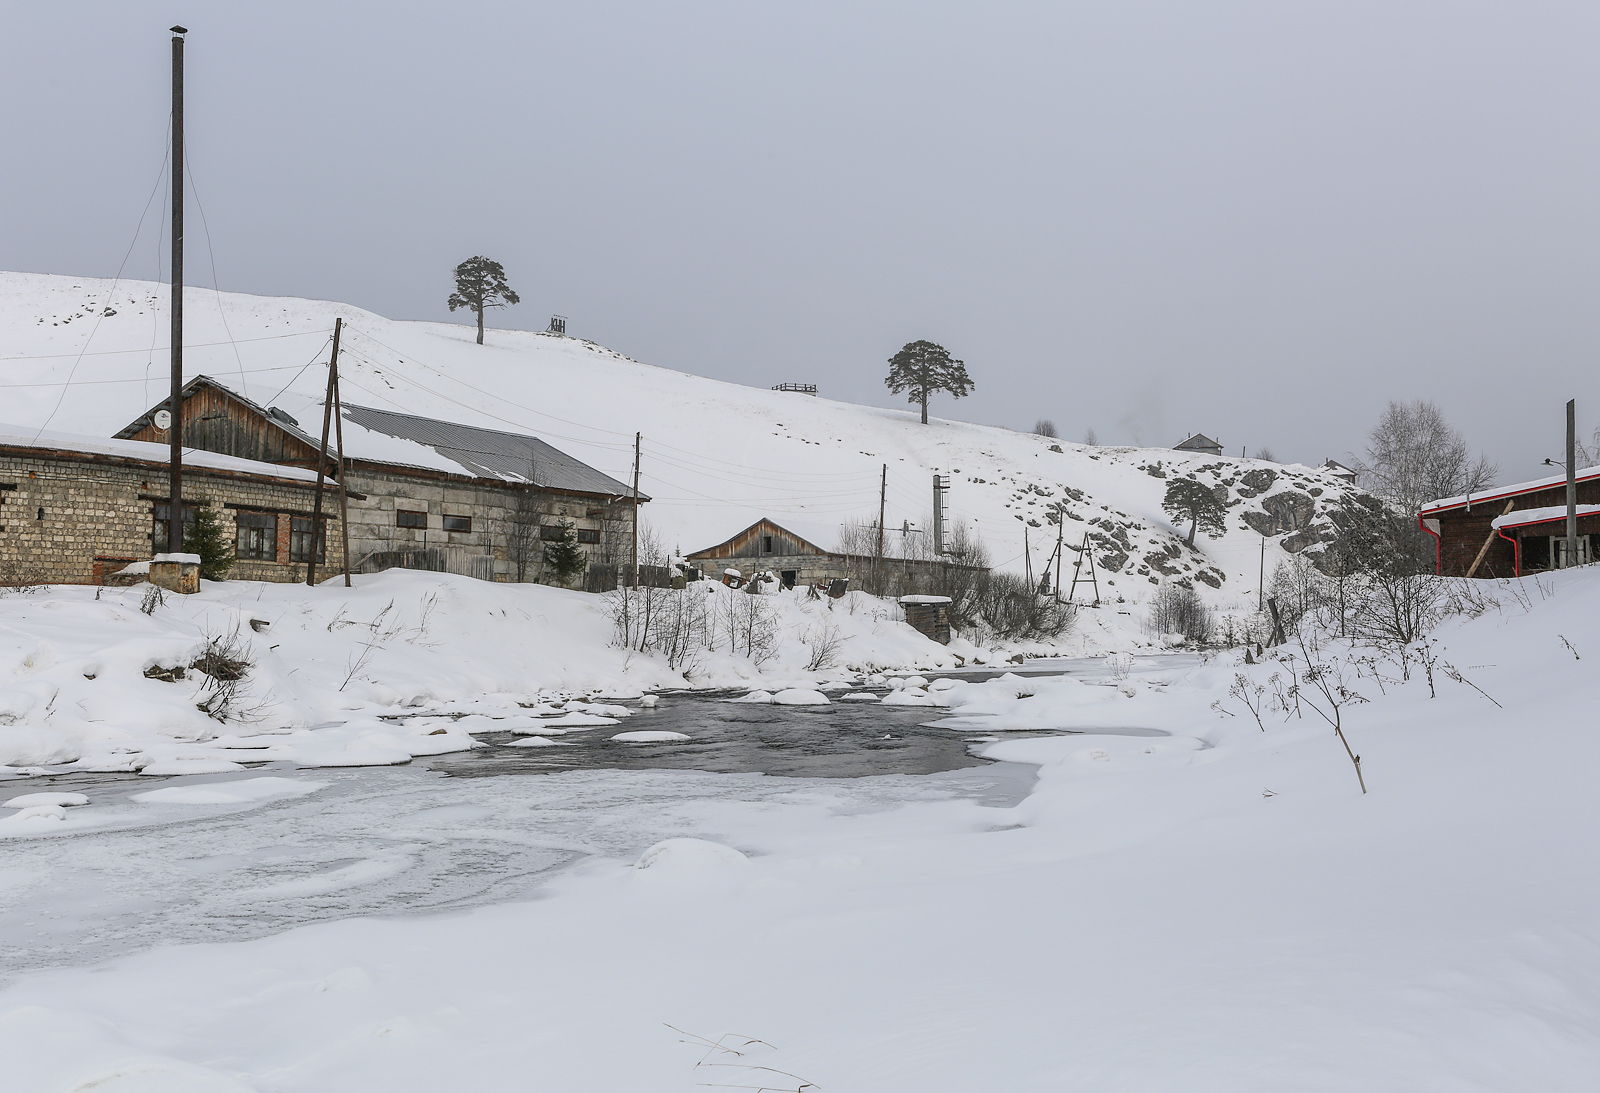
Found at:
<point>877,555</point>
<point>344,502</point>
<point>175,404</point>
<point>1027,559</point>
<point>1572,481</point>
<point>1061,527</point>
<point>638,439</point>
<point>322,454</point>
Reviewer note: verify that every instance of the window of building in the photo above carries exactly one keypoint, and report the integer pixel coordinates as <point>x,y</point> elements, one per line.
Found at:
<point>458,523</point>
<point>406,518</point>
<point>300,541</point>
<point>766,544</point>
<point>552,533</point>
<point>161,517</point>
<point>258,536</point>
<point>588,535</point>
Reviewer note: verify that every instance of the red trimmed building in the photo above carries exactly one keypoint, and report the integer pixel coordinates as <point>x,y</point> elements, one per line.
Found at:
<point>1508,531</point>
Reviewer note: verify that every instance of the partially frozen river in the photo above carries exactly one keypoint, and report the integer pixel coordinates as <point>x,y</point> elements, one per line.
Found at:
<point>452,831</point>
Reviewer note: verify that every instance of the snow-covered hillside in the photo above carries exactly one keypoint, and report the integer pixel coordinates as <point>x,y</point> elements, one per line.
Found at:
<point>85,356</point>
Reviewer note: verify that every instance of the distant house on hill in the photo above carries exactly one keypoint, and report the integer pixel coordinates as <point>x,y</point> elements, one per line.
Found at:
<point>1200,444</point>
<point>1507,531</point>
<point>425,493</point>
<point>1339,471</point>
<point>77,509</point>
<point>795,560</point>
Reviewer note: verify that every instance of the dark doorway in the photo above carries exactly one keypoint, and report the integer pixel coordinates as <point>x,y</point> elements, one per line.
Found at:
<point>788,576</point>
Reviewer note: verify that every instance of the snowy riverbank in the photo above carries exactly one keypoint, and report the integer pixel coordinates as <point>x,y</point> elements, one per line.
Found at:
<point>1219,908</point>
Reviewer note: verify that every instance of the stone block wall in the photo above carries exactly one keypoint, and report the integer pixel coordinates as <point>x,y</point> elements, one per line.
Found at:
<point>71,518</point>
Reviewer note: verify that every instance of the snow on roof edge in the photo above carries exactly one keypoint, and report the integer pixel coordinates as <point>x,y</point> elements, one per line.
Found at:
<point>16,436</point>
<point>1496,493</point>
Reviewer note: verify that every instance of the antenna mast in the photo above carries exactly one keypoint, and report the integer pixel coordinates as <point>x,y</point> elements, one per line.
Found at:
<point>175,404</point>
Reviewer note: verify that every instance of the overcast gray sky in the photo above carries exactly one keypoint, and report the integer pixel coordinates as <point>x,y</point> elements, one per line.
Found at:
<point>1256,220</point>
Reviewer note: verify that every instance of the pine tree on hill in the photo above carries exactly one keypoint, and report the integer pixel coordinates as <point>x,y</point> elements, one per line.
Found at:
<point>564,557</point>
<point>207,537</point>
<point>480,284</point>
<point>922,368</point>
<point>1190,499</point>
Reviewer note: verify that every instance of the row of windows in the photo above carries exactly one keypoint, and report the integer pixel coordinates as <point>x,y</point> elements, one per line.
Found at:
<point>257,538</point>
<point>410,518</point>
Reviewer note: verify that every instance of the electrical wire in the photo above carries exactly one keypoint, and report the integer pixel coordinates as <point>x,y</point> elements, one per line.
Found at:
<point>188,169</point>
<point>100,312</point>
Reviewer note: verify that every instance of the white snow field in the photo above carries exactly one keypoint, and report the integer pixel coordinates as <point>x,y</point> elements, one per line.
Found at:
<point>1207,906</point>
<point>717,456</point>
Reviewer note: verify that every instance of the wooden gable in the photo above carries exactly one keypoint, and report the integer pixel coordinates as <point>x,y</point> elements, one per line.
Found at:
<point>762,539</point>
<point>217,420</point>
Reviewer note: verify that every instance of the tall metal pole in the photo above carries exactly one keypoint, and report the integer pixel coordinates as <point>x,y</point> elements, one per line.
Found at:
<point>938,519</point>
<point>877,556</point>
<point>637,440</point>
<point>344,501</point>
<point>1572,481</point>
<point>322,457</point>
<point>175,404</point>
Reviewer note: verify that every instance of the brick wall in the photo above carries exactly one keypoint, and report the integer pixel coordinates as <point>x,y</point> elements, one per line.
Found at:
<point>71,519</point>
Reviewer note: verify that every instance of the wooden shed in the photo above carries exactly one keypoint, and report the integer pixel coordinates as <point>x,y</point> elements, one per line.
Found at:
<point>930,615</point>
<point>1507,531</point>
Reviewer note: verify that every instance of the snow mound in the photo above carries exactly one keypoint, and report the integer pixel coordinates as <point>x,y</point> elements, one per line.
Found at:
<point>29,800</point>
<point>23,746</point>
<point>755,696</point>
<point>800,696</point>
<point>578,721</point>
<point>649,737</point>
<point>36,813</point>
<point>245,791</point>
<point>689,856</point>
<point>859,696</point>
<point>190,766</point>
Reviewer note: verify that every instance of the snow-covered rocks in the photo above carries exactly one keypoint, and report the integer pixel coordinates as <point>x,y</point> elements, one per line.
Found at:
<point>758,697</point>
<point>33,800</point>
<point>859,696</point>
<point>650,737</point>
<point>800,696</point>
<point>36,814</point>
<point>910,696</point>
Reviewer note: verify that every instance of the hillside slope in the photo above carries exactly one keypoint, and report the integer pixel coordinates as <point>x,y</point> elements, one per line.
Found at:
<point>85,356</point>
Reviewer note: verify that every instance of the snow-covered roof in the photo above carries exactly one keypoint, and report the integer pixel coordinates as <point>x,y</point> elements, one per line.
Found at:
<point>1540,516</point>
<point>17,436</point>
<point>1500,493</point>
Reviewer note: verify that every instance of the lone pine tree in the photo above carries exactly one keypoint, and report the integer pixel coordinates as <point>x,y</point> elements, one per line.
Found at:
<point>921,368</point>
<point>1192,500</point>
<point>481,283</point>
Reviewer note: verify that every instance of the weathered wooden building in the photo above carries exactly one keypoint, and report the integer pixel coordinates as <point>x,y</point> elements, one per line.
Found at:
<point>76,509</point>
<point>766,546</point>
<point>426,493</point>
<point>1507,531</point>
<point>1200,444</point>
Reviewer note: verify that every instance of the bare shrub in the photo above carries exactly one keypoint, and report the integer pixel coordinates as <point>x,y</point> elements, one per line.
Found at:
<point>154,597</point>
<point>674,622</point>
<point>1007,606</point>
<point>224,664</point>
<point>1045,427</point>
<point>824,641</point>
<point>1176,609</point>
<point>749,624</point>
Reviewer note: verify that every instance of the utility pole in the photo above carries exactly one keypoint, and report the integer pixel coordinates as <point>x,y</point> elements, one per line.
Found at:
<point>1027,559</point>
<point>1261,579</point>
<point>1061,528</point>
<point>344,501</point>
<point>637,440</point>
<point>939,486</point>
<point>877,555</point>
<point>1572,481</point>
<point>175,404</point>
<point>322,455</point>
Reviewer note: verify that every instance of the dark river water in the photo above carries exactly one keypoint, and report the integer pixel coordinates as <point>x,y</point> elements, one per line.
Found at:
<point>844,740</point>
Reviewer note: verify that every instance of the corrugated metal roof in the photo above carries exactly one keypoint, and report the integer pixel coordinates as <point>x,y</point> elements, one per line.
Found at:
<point>490,453</point>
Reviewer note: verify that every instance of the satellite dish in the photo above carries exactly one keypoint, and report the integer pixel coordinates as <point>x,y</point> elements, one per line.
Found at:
<point>163,420</point>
